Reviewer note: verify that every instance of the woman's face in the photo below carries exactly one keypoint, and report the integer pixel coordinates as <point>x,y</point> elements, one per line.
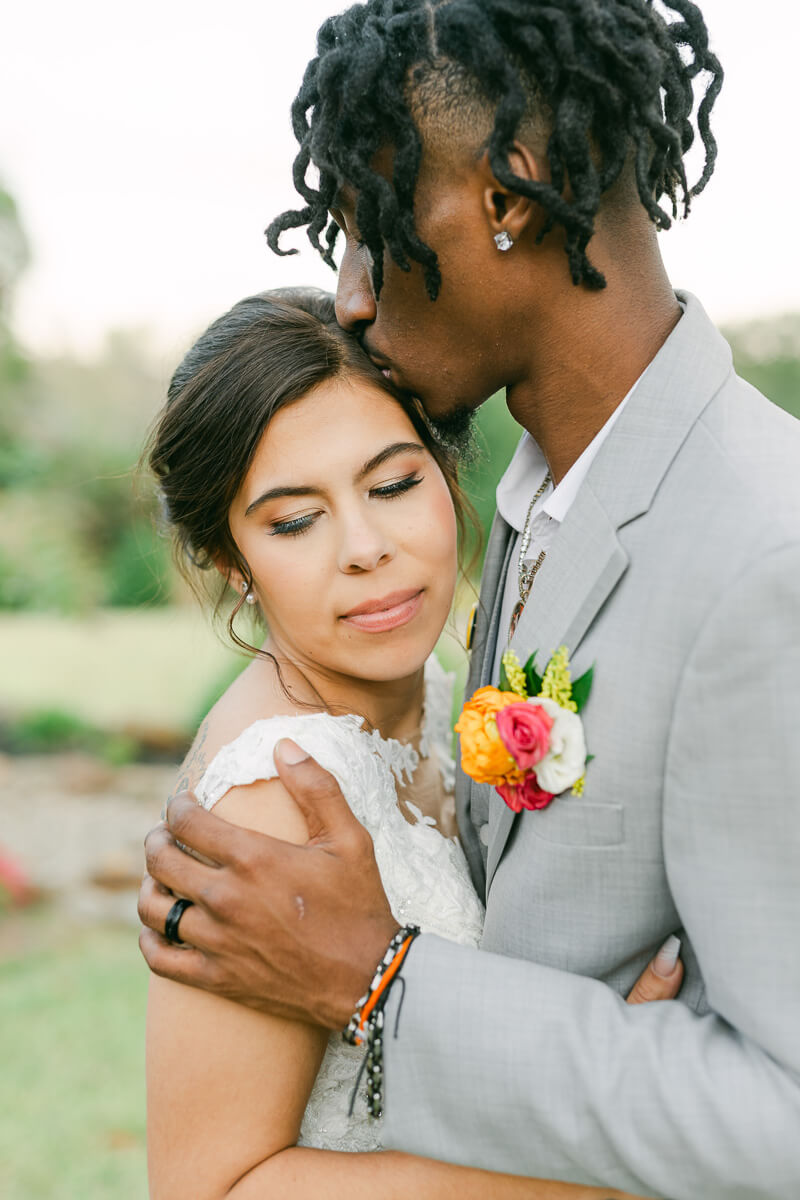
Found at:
<point>348,527</point>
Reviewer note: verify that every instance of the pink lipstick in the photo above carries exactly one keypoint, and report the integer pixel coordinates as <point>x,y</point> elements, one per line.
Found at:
<point>388,612</point>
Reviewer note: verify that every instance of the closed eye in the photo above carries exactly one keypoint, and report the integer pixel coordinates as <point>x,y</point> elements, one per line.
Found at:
<point>387,490</point>
<point>293,526</point>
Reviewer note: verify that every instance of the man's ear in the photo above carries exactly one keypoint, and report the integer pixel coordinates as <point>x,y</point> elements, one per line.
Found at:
<point>506,210</point>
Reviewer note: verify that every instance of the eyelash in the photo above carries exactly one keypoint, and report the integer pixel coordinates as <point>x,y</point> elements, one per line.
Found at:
<point>299,525</point>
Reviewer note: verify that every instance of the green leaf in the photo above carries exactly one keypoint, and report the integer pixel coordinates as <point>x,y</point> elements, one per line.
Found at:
<point>589,758</point>
<point>533,679</point>
<point>581,688</point>
<point>505,686</point>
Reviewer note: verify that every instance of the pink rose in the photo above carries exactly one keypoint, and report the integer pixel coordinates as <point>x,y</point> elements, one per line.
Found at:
<point>525,732</point>
<point>527,794</point>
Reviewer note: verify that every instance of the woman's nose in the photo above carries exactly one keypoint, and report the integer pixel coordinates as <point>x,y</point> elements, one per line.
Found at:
<point>365,546</point>
<point>355,302</point>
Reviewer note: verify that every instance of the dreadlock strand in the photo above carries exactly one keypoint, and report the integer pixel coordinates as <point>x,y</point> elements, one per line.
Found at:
<point>615,82</point>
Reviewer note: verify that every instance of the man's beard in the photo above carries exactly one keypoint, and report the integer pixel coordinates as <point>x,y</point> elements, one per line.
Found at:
<point>456,432</point>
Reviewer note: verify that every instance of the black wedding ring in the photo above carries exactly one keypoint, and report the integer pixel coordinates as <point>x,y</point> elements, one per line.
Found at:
<point>174,919</point>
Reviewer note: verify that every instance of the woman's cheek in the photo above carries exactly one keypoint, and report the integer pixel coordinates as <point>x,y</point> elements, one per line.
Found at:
<point>442,518</point>
<point>288,584</point>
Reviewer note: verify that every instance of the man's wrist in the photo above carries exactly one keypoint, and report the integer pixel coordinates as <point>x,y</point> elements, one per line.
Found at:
<point>359,978</point>
<point>366,1025</point>
<point>375,996</point>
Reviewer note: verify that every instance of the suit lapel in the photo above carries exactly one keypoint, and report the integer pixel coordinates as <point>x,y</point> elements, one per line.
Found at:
<point>582,568</point>
<point>495,567</point>
<point>484,640</point>
<point>586,560</point>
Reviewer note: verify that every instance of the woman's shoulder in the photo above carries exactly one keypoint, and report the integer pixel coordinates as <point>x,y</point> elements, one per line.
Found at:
<point>235,744</point>
<point>231,765</point>
<point>253,696</point>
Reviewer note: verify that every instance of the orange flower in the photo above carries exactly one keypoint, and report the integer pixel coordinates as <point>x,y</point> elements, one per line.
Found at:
<point>483,756</point>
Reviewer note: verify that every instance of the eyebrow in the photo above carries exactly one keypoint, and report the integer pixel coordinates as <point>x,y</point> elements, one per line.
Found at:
<point>377,460</point>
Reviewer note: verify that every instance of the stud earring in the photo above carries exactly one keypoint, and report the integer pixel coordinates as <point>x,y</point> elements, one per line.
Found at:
<point>503,240</point>
<point>249,598</point>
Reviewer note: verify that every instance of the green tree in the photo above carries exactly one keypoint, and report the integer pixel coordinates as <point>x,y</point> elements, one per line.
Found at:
<point>767,353</point>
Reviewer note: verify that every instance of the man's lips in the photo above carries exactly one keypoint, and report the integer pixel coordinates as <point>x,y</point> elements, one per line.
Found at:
<point>388,612</point>
<point>383,364</point>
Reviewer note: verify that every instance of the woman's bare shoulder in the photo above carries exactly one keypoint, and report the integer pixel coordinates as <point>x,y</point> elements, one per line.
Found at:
<point>254,695</point>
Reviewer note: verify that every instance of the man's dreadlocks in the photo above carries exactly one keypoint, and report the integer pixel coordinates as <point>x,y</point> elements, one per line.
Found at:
<point>612,79</point>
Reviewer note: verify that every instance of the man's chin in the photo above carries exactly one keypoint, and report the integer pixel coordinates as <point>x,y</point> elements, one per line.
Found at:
<point>456,431</point>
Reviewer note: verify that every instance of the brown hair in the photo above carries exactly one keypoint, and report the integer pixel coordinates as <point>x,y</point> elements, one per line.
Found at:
<point>266,352</point>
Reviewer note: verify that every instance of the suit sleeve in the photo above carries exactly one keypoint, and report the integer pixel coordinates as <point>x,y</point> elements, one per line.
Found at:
<point>509,1065</point>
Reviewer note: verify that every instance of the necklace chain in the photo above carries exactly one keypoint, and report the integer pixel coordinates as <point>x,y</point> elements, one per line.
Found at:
<point>526,575</point>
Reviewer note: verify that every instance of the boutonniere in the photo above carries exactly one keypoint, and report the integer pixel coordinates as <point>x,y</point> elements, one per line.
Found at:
<point>525,737</point>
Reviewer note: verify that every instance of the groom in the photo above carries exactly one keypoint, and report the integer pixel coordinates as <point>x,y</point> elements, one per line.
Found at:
<point>499,169</point>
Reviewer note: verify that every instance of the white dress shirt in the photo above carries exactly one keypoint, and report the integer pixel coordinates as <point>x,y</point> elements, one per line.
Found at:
<point>522,479</point>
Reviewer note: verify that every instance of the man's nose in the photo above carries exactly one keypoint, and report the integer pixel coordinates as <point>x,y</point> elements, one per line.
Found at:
<point>355,301</point>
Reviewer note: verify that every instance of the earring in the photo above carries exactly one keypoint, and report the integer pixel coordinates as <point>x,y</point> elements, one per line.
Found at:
<point>249,598</point>
<point>503,240</point>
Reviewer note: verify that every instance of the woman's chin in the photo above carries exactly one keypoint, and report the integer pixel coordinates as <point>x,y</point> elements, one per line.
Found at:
<point>384,659</point>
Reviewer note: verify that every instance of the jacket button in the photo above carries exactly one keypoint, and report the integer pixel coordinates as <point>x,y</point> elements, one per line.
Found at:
<point>484,834</point>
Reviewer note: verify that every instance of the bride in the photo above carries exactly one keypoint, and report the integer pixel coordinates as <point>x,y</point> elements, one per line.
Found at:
<point>295,474</point>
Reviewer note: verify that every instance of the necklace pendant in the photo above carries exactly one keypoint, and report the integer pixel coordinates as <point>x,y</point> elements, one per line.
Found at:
<point>515,616</point>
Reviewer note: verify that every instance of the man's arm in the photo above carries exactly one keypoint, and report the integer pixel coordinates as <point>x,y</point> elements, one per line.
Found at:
<point>552,1072</point>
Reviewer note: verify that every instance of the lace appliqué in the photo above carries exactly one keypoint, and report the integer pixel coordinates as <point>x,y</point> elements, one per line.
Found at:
<point>425,875</point>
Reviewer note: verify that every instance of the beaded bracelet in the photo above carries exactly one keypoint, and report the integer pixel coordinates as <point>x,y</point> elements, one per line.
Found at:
<point>384,973</point>
<point>366,1023</point>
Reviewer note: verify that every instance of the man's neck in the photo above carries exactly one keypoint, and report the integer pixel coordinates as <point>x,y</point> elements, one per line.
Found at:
<point>588,354</point>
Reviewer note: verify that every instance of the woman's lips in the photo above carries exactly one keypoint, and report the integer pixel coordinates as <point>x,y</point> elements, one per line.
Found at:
<point>390,612</point>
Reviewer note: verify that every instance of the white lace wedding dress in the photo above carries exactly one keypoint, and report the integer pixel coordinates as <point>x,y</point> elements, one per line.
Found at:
<point>425,875</point>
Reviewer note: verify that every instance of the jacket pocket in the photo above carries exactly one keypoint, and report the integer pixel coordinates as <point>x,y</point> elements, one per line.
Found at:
<point>572,822</point>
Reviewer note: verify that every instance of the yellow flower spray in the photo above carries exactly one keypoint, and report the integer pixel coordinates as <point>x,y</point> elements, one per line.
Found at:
<point>557,681</point>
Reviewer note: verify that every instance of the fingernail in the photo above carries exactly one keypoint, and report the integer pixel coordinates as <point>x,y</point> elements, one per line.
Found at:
<point>290,753</point>
<point>664,962</point>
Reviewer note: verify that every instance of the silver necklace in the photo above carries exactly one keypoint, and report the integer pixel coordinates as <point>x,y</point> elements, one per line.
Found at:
<point>527,574</point>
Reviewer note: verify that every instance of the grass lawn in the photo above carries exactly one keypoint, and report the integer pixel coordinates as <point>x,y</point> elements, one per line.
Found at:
<point>72,1078</point>
<point>116,667</point>
<point>123,667</point>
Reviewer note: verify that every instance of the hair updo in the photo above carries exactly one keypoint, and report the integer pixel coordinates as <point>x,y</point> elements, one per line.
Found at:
<point>268,351</point>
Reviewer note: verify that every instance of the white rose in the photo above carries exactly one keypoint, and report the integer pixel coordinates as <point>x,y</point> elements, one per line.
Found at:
<point>565,761</point>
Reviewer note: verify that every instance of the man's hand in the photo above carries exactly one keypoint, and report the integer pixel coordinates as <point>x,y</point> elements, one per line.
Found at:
<point>296,931</point>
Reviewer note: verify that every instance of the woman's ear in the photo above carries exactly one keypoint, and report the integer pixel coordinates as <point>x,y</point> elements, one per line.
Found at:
<point>232,577</point>
<point>507,211</point>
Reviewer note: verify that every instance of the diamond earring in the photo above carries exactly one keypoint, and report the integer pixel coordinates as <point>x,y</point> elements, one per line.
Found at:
<point>503,240</point>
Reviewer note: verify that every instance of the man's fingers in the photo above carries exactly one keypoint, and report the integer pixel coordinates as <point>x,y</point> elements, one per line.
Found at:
<point>172,867</point>
<point>184,964</point>
<point>198,926</point>
<point>204,833</point>
<point>661,978</point>
<point>318,795</point>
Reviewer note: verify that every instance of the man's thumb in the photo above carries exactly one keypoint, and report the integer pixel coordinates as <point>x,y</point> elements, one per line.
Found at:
<point>314,790</point>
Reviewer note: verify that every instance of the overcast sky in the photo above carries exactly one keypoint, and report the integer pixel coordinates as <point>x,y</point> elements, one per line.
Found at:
<point>148,145</point>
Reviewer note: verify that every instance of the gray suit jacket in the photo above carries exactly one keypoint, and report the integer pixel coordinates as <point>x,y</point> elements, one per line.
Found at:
<point>677,573</point>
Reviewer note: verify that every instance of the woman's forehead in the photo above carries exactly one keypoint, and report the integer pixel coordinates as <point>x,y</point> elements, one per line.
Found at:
<point>339,414</point>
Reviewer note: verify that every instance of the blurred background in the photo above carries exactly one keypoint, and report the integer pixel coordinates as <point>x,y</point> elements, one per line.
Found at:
<point>143,149</point>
